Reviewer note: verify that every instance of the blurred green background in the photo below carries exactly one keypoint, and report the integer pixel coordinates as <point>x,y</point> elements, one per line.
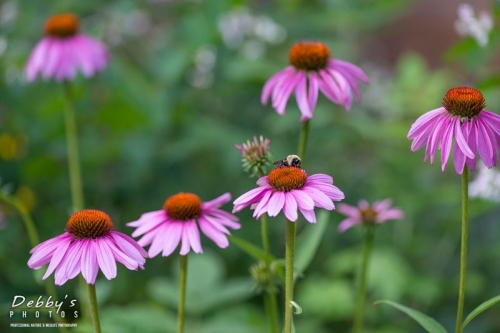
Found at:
<point>182,87</point>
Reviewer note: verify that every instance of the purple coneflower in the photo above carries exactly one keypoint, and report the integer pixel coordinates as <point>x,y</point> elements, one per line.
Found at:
<point>64,51</point>
<point>288,188</point>
<point>87,245</point>
<point>365,213</point>
<point>179,221</point>
<point>476,131</point>
<point>311,69</point>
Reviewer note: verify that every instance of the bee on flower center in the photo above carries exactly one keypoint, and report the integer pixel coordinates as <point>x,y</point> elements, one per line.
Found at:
<point>289,161</point>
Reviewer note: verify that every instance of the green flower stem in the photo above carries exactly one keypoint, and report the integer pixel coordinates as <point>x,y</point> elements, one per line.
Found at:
<point>75,177</point>
<point>360,306</point>
<point>29,224</point>
<point>182,295</point>
<point>463,248</point>
<point>271,303</point>
<point>93,308</point>
<point>304,133</point>
<point>290,228</point>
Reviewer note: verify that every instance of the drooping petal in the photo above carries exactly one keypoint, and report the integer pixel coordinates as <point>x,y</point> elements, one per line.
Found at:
<point>89,264</point>
<point>105,258</point>
<point>290,208</point>
<point>276,203</point>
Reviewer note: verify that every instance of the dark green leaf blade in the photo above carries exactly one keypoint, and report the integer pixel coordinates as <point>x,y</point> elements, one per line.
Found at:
<point>428,323</point>
<point>249,248</point>
<point>482,307</point>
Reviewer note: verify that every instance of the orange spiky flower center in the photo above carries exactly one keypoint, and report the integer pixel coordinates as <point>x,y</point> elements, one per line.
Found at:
<point>309,55</point>
<point>183,206</point>
<point>285,179</point>
<point>62,25</point>
<point>368,215</point>
<point>464,102</point>
<point>89,223</point>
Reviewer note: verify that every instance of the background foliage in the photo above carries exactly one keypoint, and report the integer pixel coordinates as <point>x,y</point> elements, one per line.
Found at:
<point>179,92</point>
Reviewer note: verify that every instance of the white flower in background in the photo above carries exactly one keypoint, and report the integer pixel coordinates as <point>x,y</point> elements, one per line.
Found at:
<point>486,185</point>
<point>468,25</point>
<point>242,30</point>
<point>202,75</point>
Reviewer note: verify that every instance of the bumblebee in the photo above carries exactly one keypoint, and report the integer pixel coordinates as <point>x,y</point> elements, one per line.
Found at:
<point>289,161</point>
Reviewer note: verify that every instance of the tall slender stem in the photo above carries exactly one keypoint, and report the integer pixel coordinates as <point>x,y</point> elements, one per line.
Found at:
<point>304,134</point>
<point>290,228</point>
<point>182,294</point>
<point>96,324</point>
<point>75,177</point>
<point>271,303</point>
<point>463,248</point>
<point>360,306</point>
<point>270,300</point>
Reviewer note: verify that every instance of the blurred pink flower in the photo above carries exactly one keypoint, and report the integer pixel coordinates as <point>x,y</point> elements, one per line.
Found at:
<point>64,51</point>
<point>311,69</point>
<point>377,213</point>
<point>178,222</point>
<point>87,245</point>
<point>288,188</point>
<point>462,117</point>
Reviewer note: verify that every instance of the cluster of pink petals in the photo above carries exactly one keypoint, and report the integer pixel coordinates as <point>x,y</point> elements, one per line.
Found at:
<point>479,135</point>
<point>61,58</point>
<point>164,233</point>
<point>68,256</point>
<point>318,191</point>
<point>337,81</point>
<point>381,209</point>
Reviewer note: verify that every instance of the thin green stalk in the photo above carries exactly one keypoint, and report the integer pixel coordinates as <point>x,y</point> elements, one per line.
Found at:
<point>75,177</point>
<point>463,248</point>
<point>96,324</point>
<point>271,303</point>
<point>270,300</point>
<point>360,306</point>
<point>304,133</point>
<point>29,224</point>
<point>182,295</point>
<point>290,228</point>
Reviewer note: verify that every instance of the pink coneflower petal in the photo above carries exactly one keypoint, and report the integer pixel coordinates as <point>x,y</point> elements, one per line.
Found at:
<point>90,266</point>
<point>58,255</point>
<point>462,120</point>
<point>170,240</point>
<point>105,259</point>
<point>312,70</point>
<point>64,51</point>
<point>377,213</point>
<point>180,221</point>
<point>87,244</point>
<point>276,203</point>
<point>289,189</point>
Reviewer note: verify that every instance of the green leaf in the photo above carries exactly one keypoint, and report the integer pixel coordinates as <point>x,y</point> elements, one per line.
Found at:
<point>249,248</point>
<point>482,307</point>
<point>309,240</point>
<point>428,323</point>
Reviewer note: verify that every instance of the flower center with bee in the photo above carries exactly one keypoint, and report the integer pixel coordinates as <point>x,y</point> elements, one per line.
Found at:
<point>287,178</point>
<point>63,25</point>
<point>183,206</point>
<point>368,215</point>
<point>309,55</point>
<point>89,223</point>
<point>464,102</point>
